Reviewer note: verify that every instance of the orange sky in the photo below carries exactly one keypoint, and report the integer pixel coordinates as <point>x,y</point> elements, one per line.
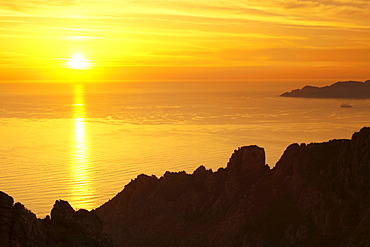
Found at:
<point>185,39</point>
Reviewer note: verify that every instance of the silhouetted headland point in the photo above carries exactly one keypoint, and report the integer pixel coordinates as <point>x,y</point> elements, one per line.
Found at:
<point>318,194</point>
<point>342,90</point>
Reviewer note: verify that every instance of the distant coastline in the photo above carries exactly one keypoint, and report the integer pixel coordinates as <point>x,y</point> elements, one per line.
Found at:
<point>340,90</point>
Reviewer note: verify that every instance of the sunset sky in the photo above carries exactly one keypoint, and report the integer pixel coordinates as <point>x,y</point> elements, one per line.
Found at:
<point>178,39</point>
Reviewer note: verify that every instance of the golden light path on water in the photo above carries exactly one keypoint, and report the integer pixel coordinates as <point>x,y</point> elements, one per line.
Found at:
<point>82,190</point>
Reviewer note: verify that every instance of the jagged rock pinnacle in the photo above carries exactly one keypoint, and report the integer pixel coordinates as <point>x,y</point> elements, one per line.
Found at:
<point>247,158</point>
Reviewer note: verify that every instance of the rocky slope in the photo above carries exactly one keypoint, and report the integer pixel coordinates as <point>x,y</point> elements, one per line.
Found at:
<point>65,228</point>
<point>317,195</point>
<point>345,89</point>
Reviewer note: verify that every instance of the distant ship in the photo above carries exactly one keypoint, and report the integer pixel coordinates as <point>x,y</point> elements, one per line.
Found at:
<point>345,106</point>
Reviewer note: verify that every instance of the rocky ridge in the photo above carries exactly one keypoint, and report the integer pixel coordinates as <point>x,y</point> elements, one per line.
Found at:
<point>316,195</point>
<point>19,227</point>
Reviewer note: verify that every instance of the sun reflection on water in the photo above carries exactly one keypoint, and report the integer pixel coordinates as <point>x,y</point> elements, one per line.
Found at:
<point>82,190</point>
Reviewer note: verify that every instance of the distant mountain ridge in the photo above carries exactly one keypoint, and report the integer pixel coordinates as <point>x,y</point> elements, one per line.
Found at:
<point>341,89</point>
<point>316,195</point>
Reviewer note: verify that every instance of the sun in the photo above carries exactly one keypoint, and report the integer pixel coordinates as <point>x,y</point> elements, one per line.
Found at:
<point>78,62</point>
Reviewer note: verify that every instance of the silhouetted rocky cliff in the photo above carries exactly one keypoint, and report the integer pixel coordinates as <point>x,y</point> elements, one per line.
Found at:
<point>317,195</point>
<point>65,228</point>
<point>345,89</point>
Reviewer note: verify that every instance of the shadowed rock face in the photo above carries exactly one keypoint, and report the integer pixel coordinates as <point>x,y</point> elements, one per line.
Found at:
<point>247,158</point>
<point>317,195</point>
<point>19,227</point>
<point>346,89</point>
<point>6,206</point>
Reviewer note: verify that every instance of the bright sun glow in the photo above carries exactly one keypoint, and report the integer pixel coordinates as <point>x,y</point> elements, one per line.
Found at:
<point>78,62</point>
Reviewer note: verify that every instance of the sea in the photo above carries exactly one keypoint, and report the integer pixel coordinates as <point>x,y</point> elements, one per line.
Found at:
<point>83,142</point>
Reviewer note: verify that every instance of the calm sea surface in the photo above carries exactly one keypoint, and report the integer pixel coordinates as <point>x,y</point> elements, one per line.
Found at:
<point>84,142</point>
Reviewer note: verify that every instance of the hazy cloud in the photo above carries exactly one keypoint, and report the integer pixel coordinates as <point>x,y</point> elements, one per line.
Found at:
<point>183,32</point>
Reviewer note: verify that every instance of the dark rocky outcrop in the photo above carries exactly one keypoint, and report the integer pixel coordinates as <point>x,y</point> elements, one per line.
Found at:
<point>316,195</point>
<point>345,89</point>
<point>20,228</point>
